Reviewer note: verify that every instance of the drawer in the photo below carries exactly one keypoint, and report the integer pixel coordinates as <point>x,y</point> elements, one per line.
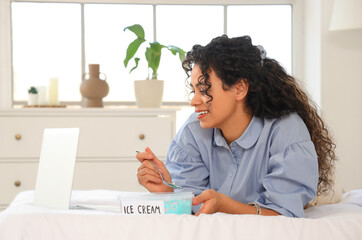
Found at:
<point>88,175</point>
<point>121,176</point>
<point>10,173</point>
<point>99,136</point>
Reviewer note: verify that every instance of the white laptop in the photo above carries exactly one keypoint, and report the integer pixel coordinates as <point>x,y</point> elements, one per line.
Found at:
<point>54,181</point>
<point>56,167</point>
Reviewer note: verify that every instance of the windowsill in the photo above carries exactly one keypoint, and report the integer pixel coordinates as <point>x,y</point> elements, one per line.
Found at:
<point>107,105</point>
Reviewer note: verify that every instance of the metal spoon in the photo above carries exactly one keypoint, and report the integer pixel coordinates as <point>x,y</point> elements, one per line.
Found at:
<point>170,184</point>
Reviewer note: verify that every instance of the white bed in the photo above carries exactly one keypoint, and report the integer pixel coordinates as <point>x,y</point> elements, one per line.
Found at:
<point>22,220</point>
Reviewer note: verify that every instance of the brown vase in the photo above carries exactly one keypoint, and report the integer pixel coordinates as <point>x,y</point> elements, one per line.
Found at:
<point>94,89</point>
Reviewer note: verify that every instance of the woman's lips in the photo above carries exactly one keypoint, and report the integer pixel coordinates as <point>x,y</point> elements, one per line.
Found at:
<point>202,114</point>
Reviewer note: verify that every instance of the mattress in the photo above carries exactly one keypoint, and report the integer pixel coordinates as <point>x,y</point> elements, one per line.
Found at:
<point>23,220</point>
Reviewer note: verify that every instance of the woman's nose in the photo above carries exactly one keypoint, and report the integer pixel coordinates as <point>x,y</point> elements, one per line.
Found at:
<point>195,100</point>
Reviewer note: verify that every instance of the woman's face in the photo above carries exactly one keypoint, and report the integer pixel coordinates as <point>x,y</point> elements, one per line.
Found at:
<point>220,112</point>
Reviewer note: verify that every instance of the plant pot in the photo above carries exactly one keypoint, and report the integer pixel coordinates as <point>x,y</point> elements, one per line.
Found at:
<point>32,99</point>
<point>148,93</point>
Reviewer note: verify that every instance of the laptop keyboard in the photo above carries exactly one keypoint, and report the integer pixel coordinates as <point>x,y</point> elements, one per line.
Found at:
<point>79,207</point>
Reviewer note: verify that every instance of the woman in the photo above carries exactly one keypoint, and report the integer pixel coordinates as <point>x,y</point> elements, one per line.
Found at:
<point>255,144</point>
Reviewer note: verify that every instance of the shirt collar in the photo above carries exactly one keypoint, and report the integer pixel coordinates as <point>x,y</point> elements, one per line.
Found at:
<point>247,139</point>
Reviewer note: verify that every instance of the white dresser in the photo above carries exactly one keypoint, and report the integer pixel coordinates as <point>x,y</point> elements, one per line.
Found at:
<point>108,141</point>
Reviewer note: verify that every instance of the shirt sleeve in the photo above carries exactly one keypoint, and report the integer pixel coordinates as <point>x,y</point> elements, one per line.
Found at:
<point>187,170</point>
<point>291,181</point>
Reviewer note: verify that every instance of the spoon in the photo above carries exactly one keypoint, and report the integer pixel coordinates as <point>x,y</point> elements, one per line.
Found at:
<point>170,184</point>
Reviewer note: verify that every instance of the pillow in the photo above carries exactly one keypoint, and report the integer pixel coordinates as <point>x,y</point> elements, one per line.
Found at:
<point>331,197</point>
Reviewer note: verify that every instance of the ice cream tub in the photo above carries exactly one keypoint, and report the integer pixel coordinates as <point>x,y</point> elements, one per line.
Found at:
<point>156,203</point>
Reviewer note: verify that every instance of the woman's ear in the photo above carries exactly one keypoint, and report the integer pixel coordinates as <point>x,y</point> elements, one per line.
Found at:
<point>241,89</point>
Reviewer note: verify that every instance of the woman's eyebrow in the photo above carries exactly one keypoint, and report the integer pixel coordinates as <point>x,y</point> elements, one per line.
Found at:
<point>197,85</point>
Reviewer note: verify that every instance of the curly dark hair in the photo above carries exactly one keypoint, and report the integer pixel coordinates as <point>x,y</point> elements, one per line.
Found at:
<point>272,92</point>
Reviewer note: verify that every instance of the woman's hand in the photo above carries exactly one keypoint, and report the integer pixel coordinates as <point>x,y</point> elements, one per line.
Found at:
<point>147,174</point>
<point>211,200</point>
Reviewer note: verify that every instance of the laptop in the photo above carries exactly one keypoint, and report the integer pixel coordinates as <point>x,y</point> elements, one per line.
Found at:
<point>55,175</point>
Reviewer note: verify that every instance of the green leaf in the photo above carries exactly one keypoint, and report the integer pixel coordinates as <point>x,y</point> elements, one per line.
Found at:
<point>153,52</point>
<point>176,50</point>
<point>136,61</point>
<point>153,56</point>
<point>136,29</point>
<point>132,49</point>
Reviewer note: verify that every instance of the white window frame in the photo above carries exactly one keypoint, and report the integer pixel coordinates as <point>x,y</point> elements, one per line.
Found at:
<point>6,90</point>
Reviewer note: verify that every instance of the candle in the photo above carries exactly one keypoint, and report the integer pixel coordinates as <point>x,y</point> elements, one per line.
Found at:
<point>53,91</point>
<point>42,95</point>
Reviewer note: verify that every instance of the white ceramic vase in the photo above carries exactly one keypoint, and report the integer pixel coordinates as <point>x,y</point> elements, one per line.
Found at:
<point>149,93</point>
<point>32,99</point>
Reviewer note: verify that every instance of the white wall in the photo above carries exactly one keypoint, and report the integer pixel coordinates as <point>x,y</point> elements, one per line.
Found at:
<point>341,95</point>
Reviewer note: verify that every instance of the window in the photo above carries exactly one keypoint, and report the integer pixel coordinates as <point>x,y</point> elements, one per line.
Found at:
<point>60,40</point>
<point>271,27</point>
<point>202,24</point>
<point>106,43</point>
<point>46,44</point>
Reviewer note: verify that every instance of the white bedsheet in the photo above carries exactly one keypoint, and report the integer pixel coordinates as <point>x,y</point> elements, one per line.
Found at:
<point>22,220</point>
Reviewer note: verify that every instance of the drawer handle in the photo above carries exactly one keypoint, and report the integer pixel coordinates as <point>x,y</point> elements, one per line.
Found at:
<point>17,136</point>
<point>141,136</point>
<point>17,183</point>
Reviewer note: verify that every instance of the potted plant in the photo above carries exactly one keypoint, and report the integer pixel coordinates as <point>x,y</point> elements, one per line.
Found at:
<point>148,92</point>
<point>32,96</point>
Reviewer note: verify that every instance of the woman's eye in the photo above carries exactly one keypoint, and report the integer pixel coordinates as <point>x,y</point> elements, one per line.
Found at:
<point>203,92</point>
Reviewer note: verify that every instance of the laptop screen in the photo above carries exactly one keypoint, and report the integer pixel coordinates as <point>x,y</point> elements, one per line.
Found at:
<point>56,167</point>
